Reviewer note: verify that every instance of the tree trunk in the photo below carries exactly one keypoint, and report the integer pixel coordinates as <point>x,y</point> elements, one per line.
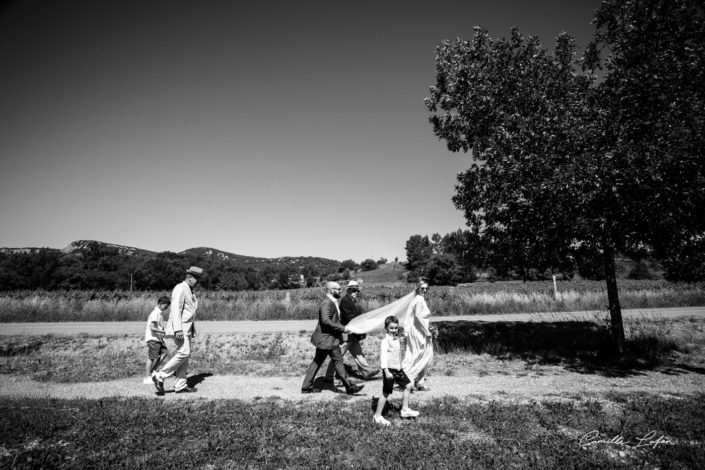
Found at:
<point>613,297</point>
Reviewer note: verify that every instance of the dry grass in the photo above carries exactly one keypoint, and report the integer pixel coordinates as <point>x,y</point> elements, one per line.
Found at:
<point>464,348</point>
<point>478,298</point>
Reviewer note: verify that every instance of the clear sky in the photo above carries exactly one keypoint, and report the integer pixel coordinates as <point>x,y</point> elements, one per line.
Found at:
<point>262,128</point>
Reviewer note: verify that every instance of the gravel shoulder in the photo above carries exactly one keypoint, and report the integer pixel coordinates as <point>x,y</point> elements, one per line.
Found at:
<point>548,385</point>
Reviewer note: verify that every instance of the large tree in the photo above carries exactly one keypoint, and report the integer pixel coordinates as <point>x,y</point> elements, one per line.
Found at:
<point>603,153</point>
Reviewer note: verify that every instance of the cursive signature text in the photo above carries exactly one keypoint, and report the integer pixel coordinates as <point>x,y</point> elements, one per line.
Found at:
<point>651,439</point>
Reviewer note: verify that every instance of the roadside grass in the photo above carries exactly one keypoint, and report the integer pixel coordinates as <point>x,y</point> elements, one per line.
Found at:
<point>299,304</point>
<point>585,346</point>
<point>646,431</point>
<point>463,348</point>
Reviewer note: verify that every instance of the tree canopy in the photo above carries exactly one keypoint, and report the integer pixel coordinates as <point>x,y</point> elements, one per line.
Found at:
<point>602,153</point>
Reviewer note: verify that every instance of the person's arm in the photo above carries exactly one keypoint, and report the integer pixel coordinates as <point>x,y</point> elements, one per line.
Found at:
<point>327,317</point>
<point>422,321</point>
<point>154,326</point>
<point>384,358</point>
<point>177,309</point>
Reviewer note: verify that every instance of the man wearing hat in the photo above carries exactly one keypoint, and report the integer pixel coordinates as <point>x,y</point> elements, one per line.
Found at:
<point>182,328</point>
<point>348,311</point>
<point>326,338</point>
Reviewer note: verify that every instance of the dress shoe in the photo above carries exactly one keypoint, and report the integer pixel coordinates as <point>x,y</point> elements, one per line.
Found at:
<point>311,390</point>
<point>186,390</point>
<point>371,375</point>
<point>158,384</point>
<point>353,389</point>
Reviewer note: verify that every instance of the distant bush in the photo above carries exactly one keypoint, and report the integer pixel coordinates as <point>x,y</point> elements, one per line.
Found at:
<point>477,298</point>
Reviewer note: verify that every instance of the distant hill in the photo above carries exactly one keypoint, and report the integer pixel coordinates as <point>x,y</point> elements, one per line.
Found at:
<point>91,264</point>
<point>385,273</point>
<point>81,245</point>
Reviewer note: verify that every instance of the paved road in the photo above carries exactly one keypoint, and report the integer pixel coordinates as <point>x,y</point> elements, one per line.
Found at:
<point>211,327</point>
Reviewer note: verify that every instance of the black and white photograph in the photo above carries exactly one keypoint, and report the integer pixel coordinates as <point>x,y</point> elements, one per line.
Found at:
<point>458,234</point>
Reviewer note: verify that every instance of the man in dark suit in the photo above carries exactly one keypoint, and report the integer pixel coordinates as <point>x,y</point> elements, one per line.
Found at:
<point>326,337</point>
<point>348,311</point>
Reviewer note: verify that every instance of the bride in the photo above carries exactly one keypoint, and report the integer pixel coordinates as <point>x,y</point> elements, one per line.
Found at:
<point>413,314</point>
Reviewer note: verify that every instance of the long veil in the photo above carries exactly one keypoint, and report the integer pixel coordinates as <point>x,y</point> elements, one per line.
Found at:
<point>375,319</point>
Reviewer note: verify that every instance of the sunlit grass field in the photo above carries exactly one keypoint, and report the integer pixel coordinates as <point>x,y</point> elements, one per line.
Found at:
<point>453,431</point>
<point>651,430</point>
<point>478,298</point>
<point>450,434</point>
<point>651,343</point>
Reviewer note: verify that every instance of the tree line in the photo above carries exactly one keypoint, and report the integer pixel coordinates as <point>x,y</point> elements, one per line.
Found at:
<point>466,256</point>
<point>100,266</point>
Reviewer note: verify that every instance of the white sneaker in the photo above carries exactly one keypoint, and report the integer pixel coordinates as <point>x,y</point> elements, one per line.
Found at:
<point>409,413</point>
<point>381,421</point>
<point>147,381</point>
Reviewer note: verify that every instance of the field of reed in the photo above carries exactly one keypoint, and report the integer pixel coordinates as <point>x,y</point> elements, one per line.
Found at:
<point>299,304</point>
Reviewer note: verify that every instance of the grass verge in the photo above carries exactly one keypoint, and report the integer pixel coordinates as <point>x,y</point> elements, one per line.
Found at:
<point>628,431</point>
<point>652,343</point>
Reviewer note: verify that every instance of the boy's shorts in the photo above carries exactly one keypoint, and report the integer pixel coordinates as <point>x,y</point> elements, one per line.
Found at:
<point>156,349</point>
<point>398,376</point>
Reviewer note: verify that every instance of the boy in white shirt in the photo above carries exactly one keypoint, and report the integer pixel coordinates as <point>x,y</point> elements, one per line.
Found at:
<point>154,336</point>
<point>390,361</point>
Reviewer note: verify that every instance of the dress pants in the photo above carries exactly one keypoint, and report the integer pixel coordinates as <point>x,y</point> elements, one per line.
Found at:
<point>353,345</point>
<point>321,354</point>
<point>178,364</point>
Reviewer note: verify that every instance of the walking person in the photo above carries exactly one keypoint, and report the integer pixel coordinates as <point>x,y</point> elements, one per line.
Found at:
<point>419,333</point>
<point>326,337</point>
<point>348,310</point>
<point>390,362</point>
<point>182,327</point>
<point>154,337</point>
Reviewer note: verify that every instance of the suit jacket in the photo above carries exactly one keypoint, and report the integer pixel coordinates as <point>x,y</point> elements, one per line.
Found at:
<point>183,311</point>
<point>348,311</point>
<point>329,331</point>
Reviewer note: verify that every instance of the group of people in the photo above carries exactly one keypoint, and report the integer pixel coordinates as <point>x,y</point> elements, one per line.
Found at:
<point>180,325</point>
<point>405,352</point>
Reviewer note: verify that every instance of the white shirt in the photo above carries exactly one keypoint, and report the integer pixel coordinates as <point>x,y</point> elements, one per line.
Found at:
<point>155,317</point>
<point>390,352</point>
<point>336,302</point>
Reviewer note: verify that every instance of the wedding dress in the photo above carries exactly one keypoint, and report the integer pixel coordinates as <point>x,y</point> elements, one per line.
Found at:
<point>413,314</point>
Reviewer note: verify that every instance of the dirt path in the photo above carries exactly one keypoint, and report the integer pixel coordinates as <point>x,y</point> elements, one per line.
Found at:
<point>213,327</point>
<point>552,383</point>
<point>513,383</point>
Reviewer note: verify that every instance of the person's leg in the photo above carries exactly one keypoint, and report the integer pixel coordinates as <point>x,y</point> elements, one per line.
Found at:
<point>330,371</point>
<point>181,373</point>
<point>337,359</point>
<point>380,404</point>
<point>387,388</point>
<point>155,350</point>
<point>405,398</point>
<point>163,355</point>
<point>180,355</point>
<point>318,359</point>
<point>366,370</point>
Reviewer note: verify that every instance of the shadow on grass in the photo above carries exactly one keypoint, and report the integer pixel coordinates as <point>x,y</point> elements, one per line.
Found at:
<point>197,379</point>
<point>20,348</point>
<point>579,346</point>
